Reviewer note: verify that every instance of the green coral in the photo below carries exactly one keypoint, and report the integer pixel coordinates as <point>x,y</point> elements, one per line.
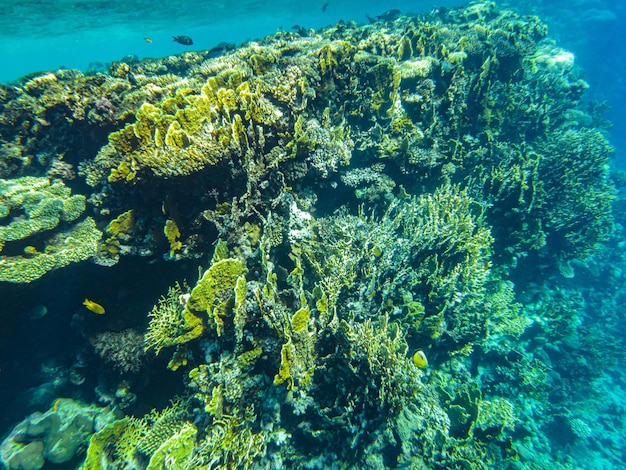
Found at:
<point>300,320</point>
<point>179,317</point>
<point>160,436</point>
<point>172,233</point>
<point>229,444</point>
<point>495,417</point>
<point>195,128</point>
<point>166,320</point>
<point>175,451</point>
<point>576,206</point>
<point>379,350</point>
<point>31,209</point>
<point>215,290</point>
<point>98,450</point>
<point>433,250</point>
<point>159,427</point>
<point>35,205</point>
<point>79,243</point>
<point>118,232</point>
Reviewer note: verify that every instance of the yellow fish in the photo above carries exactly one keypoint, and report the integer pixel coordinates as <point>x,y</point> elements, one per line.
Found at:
<point>94,307</point>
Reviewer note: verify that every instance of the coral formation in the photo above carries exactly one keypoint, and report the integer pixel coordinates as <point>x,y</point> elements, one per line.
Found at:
<point>79,243</point>
<point>123,349</point>
<point>32,206</point>
<point>371,197</point>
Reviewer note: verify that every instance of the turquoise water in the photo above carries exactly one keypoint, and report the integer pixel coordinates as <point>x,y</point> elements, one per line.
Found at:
<point>45,35</point>
<point>518,302</point>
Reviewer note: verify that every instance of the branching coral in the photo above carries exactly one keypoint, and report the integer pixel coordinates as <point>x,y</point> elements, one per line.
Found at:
<point>432,251</point>
<point>166,320</point>
<point>165,438</point>
<point>124,349</point>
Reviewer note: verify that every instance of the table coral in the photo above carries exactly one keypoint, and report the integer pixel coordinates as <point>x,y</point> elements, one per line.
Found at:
<point>79,243</point>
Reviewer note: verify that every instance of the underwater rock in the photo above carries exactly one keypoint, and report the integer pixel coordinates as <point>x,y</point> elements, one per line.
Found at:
<point>56,436</point>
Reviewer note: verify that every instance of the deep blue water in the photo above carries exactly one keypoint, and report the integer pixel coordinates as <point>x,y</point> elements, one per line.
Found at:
<point>45,35</point>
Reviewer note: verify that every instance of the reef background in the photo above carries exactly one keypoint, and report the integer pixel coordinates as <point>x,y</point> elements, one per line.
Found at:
<point>45,333</point>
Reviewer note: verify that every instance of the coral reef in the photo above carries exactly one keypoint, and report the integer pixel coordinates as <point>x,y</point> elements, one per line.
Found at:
<point>30,209</point>
<point>79,243</point>
<point>35,205</point>
<point>390,215</point>
<point>164,437</point>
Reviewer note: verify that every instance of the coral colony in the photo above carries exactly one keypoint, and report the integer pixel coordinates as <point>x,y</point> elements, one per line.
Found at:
<point>365,202</point>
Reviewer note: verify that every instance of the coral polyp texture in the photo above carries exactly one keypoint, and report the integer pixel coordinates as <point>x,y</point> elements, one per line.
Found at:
<point>30,209</point>
<point>360,202</point>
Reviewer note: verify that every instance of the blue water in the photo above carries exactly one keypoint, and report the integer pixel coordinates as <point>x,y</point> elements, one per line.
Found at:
<point>45,35</point>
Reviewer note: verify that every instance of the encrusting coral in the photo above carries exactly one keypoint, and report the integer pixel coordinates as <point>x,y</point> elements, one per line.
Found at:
<point>31,207</point>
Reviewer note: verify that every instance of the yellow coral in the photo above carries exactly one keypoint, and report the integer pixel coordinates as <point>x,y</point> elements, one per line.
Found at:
<point>123,225</point>
<point>119,230</point>
<point>165,320</point>
<point>215,289</point>
<point>77,244</point>
<point>125,171</point>
<point>300,320</point>
<point>284,372</point>
<point>172,233</point>
<point>175,451</point>
<point>100,441</point>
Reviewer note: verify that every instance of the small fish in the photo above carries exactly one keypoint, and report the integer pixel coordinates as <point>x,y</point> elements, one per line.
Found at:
<point>219,50</point>
<point>148,40</point>
<point>300,30</point>
<point>37,312</point>
<point>94,307</point>
<point>389,15</point>
<point>324,7</point>
<point>184,40</point>
<point>131,79</point>
<point>439,11</point>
